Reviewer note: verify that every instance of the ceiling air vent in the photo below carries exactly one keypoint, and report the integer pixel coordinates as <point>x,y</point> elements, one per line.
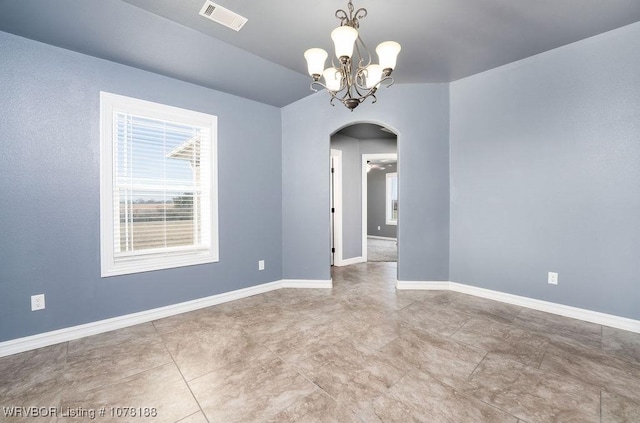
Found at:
<point>223,16</point>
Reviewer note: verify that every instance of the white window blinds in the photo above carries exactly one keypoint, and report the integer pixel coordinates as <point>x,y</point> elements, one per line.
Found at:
<point>161,188</point>
<point>158,185</point>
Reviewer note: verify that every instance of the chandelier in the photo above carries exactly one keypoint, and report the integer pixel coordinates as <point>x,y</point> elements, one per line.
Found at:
<point>354,78</point>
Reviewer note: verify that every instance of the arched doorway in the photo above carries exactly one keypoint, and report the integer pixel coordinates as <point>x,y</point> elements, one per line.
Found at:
<point>364,194</point>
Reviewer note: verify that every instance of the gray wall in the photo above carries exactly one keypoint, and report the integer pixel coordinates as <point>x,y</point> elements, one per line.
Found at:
<point>545,175</point>
<point>419,113</point>
<point>377,203</point>
<point>49,207</point>
<point>376,146</point>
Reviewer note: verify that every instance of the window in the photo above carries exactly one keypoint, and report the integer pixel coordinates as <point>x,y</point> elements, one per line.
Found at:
<point>158,186</point>
<point>392,198</point>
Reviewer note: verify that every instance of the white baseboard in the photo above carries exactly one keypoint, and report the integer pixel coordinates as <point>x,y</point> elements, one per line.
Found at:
<point>423,285</point>
<point>306,283</point>
<point>40,340</point>
<point>540,305</point>
<point>386,238</point>
<point>348,262</point>
<point>15,346</point>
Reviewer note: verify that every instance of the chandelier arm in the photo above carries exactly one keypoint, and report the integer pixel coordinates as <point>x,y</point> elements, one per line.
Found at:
<point>359,79</point>
<point>380,83</point>
<point>314,83</point>
<point>320,84</point>
<point>386,78</point>
<point>342,17</point>
<point>344,80</point>
<point>342,99</point>
<point>346,77</point>
<point>357,89</point>
<point>360,13</point>
<point>356,46</point>
<point>372,94</point>
<point>345,95</point>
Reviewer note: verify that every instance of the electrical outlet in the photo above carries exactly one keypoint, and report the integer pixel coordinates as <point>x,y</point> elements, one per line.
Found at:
<point>37,302</point>
<point>378,227</point>
<point>261,265</point>
<point>553,278</point>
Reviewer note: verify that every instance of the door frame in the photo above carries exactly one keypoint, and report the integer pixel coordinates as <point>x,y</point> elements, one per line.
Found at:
<point>335,163</point>
<point>365,158</point>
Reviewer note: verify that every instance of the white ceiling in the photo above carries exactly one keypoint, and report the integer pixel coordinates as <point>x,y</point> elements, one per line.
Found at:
<point>442,40</point>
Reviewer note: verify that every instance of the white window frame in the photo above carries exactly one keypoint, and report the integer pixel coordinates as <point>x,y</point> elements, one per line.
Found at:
<point>388,200</point>
<point>171,257</point>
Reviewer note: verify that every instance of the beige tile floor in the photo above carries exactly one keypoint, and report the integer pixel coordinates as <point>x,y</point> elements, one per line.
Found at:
<point>360,352</point>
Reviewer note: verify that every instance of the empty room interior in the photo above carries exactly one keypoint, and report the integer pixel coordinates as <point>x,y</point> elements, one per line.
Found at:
<point>320,211</point>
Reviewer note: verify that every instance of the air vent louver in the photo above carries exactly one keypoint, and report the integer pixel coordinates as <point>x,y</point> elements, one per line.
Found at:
<point>223,16</point>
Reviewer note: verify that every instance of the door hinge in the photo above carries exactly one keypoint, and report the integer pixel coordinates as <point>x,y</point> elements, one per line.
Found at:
<point>333,209</point>
<point>332,170</point>
<point>333,250</point>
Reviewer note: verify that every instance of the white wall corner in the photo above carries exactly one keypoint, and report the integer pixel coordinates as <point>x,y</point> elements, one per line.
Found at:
<point>307,283</point>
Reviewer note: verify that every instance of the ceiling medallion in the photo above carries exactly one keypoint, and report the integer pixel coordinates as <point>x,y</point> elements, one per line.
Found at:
<point>354,78</point>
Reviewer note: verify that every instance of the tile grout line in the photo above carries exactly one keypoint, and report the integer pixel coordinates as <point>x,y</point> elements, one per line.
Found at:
<point>544,354</point>
<point>458,330</point>
<point>602,338</point>
<point>181,375</point>
<point>477,365</point>
<point>600,405</point>
<point>295,368</point>
<point>354,412</point>
<point>120,379</point>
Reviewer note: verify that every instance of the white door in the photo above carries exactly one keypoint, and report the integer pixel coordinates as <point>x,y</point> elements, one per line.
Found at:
<point>335,207</point>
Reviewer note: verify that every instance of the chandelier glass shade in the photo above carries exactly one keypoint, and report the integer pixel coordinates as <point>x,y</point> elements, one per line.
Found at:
<point>353,78</point>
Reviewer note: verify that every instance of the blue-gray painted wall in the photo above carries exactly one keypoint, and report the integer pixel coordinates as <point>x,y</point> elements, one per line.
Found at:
<point>377,203</point>
<point>419,114</point>
<point>376,207</point>
<point>49,194</point>
<point>545,175</point>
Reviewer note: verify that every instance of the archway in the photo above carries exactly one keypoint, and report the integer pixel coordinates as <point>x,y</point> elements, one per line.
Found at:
<point>359,151</point>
